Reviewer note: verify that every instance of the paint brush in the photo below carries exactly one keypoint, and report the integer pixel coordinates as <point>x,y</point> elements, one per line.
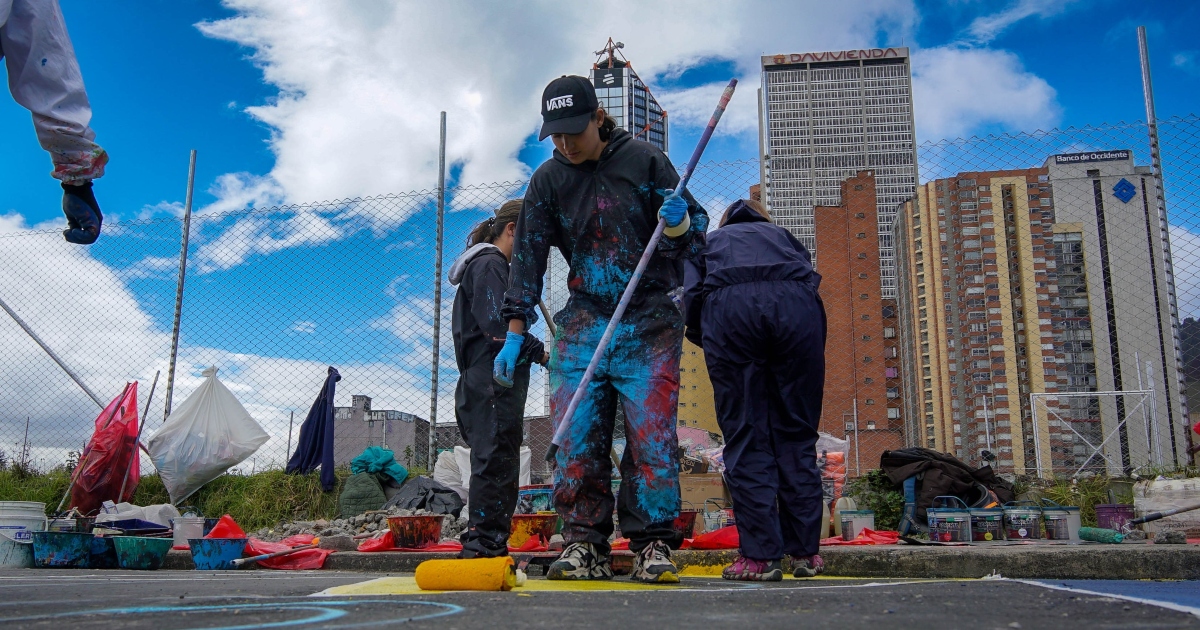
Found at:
<point>561,430</point>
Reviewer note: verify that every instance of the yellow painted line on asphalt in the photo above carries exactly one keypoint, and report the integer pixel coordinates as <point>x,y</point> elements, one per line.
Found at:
<point>408,586</point>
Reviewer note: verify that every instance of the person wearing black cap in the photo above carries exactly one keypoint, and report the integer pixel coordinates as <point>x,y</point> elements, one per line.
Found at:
<point>598,200</point>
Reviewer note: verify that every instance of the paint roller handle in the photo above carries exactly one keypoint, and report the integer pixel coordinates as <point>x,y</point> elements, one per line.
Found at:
<point>240,561</point>
<point>1154,516</point>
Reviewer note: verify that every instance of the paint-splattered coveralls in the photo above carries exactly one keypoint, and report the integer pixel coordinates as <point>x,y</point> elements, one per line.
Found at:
<point>601,215</point>
<point>752,304</point>
<point>44,77</point>
<point>490,417</point>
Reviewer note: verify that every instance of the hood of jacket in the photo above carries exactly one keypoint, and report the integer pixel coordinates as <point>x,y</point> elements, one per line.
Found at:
<point>741,212</point>
<point>460,265</point>
<point>618,138</point>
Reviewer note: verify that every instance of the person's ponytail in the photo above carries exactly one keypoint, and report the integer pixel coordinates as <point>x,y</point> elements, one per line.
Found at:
<point>487,230</point>
<point>607,125</point>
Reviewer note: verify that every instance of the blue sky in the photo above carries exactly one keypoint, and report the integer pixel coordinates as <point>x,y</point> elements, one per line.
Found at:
<point>307,100</point>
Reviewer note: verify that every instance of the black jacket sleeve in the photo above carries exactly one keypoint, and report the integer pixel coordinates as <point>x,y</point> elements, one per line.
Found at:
<point>536,231</point>
<point>489,280</point>
<point>531,350</point>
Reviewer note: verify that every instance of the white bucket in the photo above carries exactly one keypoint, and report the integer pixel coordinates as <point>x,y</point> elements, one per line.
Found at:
<point>18,521</point>
<point>186,527</point>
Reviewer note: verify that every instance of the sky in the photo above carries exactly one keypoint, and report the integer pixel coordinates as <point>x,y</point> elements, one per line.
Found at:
<point>300,101</point>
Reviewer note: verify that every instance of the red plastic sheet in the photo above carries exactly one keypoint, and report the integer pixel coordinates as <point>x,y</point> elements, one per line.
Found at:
<point>724,538</point>
<point>865,537</point>
<point>102,466</point>
<point>299,561</point>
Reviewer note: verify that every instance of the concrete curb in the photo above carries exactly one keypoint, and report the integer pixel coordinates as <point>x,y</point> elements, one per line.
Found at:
<point>1028,561</point>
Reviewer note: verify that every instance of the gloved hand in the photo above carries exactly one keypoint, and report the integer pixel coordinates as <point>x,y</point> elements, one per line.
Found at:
<point>673,210</point>
<point>505,365</point>
<point>83,214</point>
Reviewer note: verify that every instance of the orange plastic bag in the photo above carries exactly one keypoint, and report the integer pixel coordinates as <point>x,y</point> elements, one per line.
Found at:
<point>865,537</point>
<point>226,527</point>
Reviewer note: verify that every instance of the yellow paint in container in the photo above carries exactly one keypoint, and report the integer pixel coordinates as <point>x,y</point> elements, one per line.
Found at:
<point>475,574</point>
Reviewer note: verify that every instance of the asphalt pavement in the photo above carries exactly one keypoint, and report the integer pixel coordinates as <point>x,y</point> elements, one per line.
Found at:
<point>272,599</point>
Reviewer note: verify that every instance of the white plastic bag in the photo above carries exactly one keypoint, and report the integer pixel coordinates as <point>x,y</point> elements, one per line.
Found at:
<point>160,514</point>
<point>461,460</point>
<point>205,435</point>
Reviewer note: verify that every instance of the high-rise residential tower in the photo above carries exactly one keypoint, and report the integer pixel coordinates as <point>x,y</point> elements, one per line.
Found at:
<point>826,116</point>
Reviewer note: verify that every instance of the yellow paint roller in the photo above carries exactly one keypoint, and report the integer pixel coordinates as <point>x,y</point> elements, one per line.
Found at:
<point>474,574</point>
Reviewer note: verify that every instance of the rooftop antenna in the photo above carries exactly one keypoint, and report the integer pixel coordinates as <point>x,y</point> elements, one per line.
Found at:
<point>610,49</point>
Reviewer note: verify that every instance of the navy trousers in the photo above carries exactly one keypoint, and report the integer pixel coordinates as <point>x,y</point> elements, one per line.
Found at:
<point>764,344</point>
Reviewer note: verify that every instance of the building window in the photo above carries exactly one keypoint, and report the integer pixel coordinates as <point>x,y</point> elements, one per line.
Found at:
<point>866,359</point>
<point>870,401</point>
<point>893,392</point>
<point>866,337</point>
<point>893,413</point>
<point>870,425</point>
<point>889,332</point>
<point>889,311</point>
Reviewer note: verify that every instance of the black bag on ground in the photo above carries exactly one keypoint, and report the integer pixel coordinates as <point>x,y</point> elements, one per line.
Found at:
<point>360,493</point>
<point>939,474</point>
<point>423,493</point>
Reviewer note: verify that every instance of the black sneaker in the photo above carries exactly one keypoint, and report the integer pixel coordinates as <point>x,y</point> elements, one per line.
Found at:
<point>580,561</point>
<point>653,564</point>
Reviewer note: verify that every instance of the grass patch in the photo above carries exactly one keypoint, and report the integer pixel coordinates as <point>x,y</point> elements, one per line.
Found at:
<point>254,501</point>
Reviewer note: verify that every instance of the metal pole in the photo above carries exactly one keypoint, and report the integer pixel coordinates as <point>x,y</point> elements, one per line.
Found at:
<point>138,440</point>
<point>291,421</point>
<point>857,468</point>
<point>183,251</point>
<point>32,335</point>
<point>987,431</point>
<point>437,292</point>
<point>1161,196</point>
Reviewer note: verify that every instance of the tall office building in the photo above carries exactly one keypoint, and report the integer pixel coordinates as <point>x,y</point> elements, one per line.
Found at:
<point>1117,256</point>
<point>825,117</point>
<point>626,98</point>
<point>1050,280</point>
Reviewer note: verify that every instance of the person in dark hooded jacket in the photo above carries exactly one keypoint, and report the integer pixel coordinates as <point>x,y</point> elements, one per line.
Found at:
<point>752,304</point>
<point>599,200</point>
<point>489,417</point>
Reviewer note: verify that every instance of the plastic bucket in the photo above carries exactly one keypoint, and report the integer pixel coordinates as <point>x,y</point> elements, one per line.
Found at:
<point>185,528</point>
<point>534,499</point>
<point>685,523</point>
<point>987,524</point>
<point>415,532</point>
<point>526,526</point>
<point>1022,523</point>
<point>1113,516</point>
<point>1062,522</point>
<point>142,554</point>
<point>18,521</point>
<point>61,550</point>
<point>949,524</point>
<point>216,554</point>
<point>854,521</point>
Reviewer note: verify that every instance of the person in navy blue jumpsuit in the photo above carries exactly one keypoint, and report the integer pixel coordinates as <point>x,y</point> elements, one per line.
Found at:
<point>751,303</point>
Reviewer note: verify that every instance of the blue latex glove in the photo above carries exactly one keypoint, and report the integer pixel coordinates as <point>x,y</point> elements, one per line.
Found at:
<point>673,210</point>
<point>505,365</point>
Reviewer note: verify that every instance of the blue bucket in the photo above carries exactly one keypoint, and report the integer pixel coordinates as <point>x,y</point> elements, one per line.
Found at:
<point>216,554</point>
<point>61,550</point>
<point>102,554</point>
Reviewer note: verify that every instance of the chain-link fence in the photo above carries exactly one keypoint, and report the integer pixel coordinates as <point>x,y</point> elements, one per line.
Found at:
<point>1047,316</point>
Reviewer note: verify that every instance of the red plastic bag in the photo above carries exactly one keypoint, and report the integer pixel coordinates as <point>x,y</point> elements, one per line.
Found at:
<point>533,544</point>
<point>102,466</point>
<point>865,537</point>
<point>299,561</point>
<point>724,538</point>
<point>382,543</point>
<point>226,527</point>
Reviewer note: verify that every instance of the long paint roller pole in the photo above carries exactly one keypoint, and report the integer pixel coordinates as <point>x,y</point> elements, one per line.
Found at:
<point>38,340</point>
<point>1154,516</point>
<point>138,441</point>
<point>561,430</point>
<point>87,451</point>
<point>549,320</point>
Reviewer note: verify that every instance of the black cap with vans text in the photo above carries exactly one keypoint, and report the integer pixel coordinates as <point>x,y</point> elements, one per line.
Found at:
<point>568,103</point>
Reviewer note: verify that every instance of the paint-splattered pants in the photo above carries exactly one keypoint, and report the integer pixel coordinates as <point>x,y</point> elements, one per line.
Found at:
<point>764,345</point>
<point>490,419</point>
<point>639,371</point>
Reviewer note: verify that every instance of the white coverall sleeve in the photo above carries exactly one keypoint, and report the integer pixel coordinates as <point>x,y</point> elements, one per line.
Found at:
<point>44,77</point>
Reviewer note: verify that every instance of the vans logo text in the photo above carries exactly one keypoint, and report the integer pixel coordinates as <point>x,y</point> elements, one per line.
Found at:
<point>559,102</point>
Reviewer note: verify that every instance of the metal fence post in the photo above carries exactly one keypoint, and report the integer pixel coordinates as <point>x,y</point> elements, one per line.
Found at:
<point>437,294</point>
<point>183,251</point>
<point>1160,193</point>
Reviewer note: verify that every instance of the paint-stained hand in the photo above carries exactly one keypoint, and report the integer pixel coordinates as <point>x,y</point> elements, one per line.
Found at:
<point>506,362</point>
<point>674,209</point>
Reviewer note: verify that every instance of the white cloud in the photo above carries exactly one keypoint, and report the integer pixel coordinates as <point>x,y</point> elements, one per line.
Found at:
<point>304,327</point>
<point>1188,61</point>
<point>985,28</point>
<point>361,84</point>
<point>957,90</point>
<point>694,107</point>
<point>1185,254</point>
